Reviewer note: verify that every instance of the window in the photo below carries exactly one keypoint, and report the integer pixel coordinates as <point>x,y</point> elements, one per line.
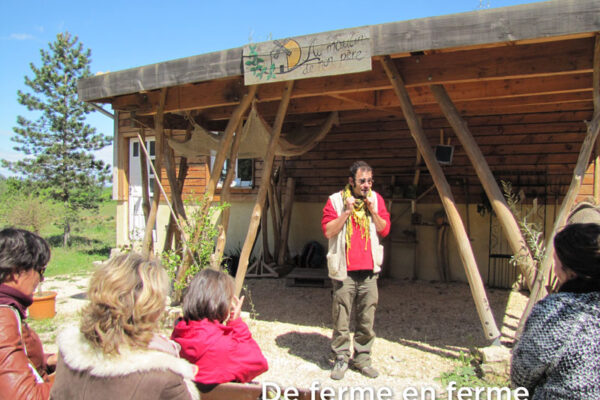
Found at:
<point>243,175</point>
<point>136,152</point>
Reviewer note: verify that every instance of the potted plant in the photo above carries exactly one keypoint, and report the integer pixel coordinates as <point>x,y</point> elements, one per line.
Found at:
<point>44,304</point>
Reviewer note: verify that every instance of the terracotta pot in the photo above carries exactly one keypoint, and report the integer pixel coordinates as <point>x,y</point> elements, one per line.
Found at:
<point>43,305</point>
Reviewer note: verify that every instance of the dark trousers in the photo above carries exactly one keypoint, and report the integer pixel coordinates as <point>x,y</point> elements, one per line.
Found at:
<point>359,289</point>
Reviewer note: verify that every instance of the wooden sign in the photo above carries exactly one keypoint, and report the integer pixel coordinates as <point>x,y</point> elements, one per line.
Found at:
<point>331,53</point>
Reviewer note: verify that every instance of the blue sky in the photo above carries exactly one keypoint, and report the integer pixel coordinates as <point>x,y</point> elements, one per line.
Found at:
<point>127,34</point>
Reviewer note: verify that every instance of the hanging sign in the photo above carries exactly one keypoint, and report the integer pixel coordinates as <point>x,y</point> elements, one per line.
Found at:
<point>331,53</point>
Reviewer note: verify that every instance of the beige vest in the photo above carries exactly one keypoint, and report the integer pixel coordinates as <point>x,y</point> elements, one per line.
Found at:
<point>336,255</point>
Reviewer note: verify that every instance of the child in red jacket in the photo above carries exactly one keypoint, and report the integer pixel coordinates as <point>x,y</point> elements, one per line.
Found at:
<point>212,334</point>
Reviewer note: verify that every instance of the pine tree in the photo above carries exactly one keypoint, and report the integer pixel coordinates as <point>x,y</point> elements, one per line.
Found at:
<point>58,145</point>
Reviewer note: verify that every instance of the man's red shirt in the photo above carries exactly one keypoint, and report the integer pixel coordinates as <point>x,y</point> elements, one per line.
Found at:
<point>359,256</point>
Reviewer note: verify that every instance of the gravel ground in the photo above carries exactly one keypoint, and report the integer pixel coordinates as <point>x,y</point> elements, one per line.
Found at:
<point>421,326</point>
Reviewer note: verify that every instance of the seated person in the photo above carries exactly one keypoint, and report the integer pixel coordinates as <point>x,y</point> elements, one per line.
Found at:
<point>116,352</point>
<point>23,365</point>
<point>558,355</point>
<point>212,334</point>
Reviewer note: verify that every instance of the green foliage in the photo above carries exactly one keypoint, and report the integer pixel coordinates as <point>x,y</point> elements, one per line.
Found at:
<point>59,145</point>
<point>93,231</point>
<point>468,374</point>
<point>202,248</point>
<point>93,238</point>
<point>464,375</point>
<point>20,207</point>
<point>533,233</point>
<point>28,211</point>
<point>12,186</point>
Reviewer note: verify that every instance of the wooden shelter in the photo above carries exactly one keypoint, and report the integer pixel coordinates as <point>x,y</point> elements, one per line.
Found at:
<point>506,92</point>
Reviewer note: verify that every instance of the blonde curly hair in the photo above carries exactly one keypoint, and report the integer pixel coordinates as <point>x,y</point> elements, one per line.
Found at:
<point>127,297</point>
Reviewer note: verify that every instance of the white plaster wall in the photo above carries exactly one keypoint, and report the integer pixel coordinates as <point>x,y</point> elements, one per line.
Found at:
<point>306,226</point>
<point>122,219</point>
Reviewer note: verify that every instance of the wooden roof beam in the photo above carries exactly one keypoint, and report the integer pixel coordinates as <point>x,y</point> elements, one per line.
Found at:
<point>499,63</point>
<point>511,62</point>
<point>497,89</point>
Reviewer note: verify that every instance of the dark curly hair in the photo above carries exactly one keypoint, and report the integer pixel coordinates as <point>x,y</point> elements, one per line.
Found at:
<point>21,250</point>
<point>358,165</point>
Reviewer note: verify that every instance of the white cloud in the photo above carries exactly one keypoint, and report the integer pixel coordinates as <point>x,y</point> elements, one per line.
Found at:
<point>21,36</point>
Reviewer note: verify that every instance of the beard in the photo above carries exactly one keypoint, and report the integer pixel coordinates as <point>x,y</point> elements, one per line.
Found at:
<point>358,192</point>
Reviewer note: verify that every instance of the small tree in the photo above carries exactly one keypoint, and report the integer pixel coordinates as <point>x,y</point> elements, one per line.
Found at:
<point>59,143</point>
<point>202,250</point>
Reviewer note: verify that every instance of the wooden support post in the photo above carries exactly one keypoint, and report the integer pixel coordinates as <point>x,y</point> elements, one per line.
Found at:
<point>281,177</point>
<point>277,203</point>
<point>232,124</point>
<point>264,185</point>
<point>172,232</point>
<point>597,172</point>
<point>159,119</point>
<point>512,233</point>
<point>596,98</point>
<point>264,224</point>
<point>225,193</point>
<point>539,290</point>
<point>596,75</point>
<point>417,169</point>
<point>442,252</point>
<point>215,174</point>
<point>176,192</point>
<point>144,171</point>
<point>162,191</point>
<point>176,199</point>
<point>271,195</point>
<point>416,177</point>
<point>287,218</point>
<point>464,245</point>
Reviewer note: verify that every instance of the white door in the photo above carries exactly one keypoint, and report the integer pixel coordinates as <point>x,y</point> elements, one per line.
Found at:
<point>137,222</point>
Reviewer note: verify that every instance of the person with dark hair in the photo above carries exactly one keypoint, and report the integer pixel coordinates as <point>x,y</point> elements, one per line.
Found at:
<point>24,368</point>
<point>353,220</point>
<point>558,355</point>
<point>213,335</point>
<point>117,351</point>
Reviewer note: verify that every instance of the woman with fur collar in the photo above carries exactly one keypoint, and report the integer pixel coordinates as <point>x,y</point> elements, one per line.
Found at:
<point>116,353</point>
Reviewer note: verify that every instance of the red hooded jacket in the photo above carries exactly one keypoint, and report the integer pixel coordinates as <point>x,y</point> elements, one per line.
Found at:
<point>223,353</point>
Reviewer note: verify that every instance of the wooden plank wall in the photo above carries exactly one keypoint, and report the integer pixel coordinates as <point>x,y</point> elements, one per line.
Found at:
<point>519,148</point>
<point>198,170</point>
<point>536,152</point>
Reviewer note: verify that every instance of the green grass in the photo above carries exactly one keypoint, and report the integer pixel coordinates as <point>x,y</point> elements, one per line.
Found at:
<point>49,325</point>
<point>92,238</point>
<point>467,374</point>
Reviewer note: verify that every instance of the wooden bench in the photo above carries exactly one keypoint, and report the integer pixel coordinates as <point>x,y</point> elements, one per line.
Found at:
<point>314,277</point>
<point>248,391</point>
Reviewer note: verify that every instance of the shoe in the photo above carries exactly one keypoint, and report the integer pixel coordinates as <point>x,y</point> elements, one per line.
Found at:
<point>367,371</point>
<point>339,368</point>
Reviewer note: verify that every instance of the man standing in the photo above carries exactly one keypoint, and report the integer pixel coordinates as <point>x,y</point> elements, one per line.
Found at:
<point>353,220</point>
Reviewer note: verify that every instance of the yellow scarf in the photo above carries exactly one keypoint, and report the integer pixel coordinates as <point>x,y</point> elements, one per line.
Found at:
<point>360,215</point>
